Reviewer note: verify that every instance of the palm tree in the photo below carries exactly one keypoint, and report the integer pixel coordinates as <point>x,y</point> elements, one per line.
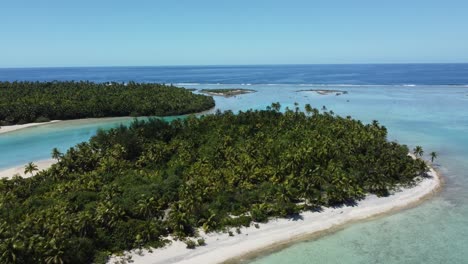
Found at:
<point>30,168</point>
<point>10,250</point>
<point>296,107</point>
<point>84,223</point>
<point>375,123</point>
<point>147,207</point>
<point>418,151</point>
<point>276,106</point>
<point>433,155</point>
<point>56,154</point>
<point>308,108</point>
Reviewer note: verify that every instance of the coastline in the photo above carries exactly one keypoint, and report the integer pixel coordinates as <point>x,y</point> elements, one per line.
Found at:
<point>324,91</point>
<point>41,165</point>
<point>12,128</point>
<point>277,233</point>
<point>227,92</point>
<point>8,172</point>
<point>280,232</point>
<point>7,129</point>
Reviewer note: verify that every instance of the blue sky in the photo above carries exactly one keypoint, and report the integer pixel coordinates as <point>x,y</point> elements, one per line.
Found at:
<point>213,32</point>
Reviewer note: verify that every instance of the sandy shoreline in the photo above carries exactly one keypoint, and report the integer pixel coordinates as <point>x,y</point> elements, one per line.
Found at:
<point>220,247</point>
<point>277,233</point>
<point>228,93</point>
<point>41,165</point>
<point>6,129</point>
<point>324,92</point>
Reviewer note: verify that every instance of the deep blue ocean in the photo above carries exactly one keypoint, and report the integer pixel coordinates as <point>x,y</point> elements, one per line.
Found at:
<point>354,74</point>
<point>420,104</point>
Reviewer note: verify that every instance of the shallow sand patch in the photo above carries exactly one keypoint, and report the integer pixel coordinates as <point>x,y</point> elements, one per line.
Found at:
<point>226,92</point>
<point>324,92</point>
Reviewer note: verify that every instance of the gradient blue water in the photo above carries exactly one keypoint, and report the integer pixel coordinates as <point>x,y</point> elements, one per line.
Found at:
<point>434,116</point>
<point>35,143</point>
<point>436,232</point>
<point>382,74</point>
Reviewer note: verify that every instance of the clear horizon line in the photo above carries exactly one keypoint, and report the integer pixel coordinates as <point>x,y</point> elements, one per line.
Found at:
<point>230,65</point>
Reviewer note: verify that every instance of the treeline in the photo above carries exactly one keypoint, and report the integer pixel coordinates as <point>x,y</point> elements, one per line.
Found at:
<point>25,102</point>
<point>130,187</point>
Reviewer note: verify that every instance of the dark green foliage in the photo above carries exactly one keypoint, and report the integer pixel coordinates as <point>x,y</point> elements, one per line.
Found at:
<point>226,92</point>
<point>25,102</point>
<point>201,242</point>
<point>190,244</point>
<point>41,119</point>
<point>101,257</point>
<point>131,187</point>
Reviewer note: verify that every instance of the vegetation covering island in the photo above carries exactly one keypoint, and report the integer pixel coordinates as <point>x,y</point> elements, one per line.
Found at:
<point>131,187</point>
<point>324,91</point>
<point>26,102</point>
<point>226,92</point>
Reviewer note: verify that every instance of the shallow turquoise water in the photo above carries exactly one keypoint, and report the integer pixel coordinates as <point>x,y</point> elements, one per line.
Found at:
<point>36,143</point>
<point>437,231</point>
<point>32,144</point>
<point>435,117</point>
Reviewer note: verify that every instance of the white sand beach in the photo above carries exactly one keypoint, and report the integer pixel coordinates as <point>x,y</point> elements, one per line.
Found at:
<point>220,247</point>
<point>41,165</point>
<point>6,129</point>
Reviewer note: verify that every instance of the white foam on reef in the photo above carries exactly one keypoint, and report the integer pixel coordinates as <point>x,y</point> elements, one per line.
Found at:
<point>182,84</point>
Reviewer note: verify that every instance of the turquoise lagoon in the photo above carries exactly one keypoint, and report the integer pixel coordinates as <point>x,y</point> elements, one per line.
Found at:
<point>433,116</point>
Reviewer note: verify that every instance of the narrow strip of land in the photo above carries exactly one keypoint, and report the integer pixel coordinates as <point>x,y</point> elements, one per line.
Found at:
<point>226,92</point>
<point>7,129</point>
<point>34,102</point>
<point>324,92</point>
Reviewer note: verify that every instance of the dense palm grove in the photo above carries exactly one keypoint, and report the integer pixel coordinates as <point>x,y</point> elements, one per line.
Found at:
<point>130,187</point>
<point>25,102</point>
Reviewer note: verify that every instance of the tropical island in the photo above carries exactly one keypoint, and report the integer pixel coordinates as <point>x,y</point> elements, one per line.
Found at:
<point>324,91</point>
<point>226,92</point>
<point>145,185</point>
<point>35,102</point>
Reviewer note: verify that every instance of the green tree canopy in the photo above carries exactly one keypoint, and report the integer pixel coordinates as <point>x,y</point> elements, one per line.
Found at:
<point>132,186</point>
<point>25,102</point>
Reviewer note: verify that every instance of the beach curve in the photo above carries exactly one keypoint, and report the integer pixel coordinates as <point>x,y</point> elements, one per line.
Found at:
<point>19,170</point>
<point>8,129</point>
<point>278,232</point>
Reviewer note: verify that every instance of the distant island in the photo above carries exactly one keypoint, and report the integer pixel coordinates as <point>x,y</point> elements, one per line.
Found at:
<point>34,102</point>
<point>135,187</point>
<point>226,92</point>
<point>324,91</point>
